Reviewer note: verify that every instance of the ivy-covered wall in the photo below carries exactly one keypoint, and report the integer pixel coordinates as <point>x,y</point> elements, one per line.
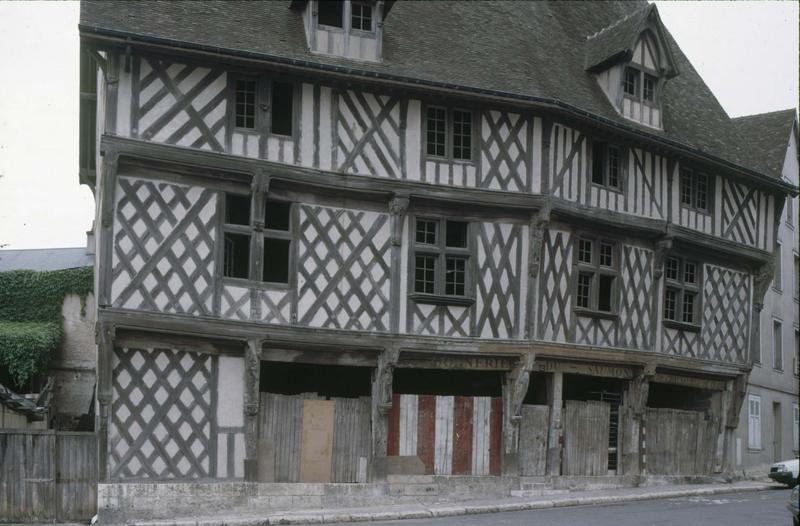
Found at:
<point>31,325</point>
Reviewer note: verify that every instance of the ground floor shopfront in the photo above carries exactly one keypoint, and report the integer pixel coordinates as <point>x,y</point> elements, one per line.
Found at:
<point>184,408</point>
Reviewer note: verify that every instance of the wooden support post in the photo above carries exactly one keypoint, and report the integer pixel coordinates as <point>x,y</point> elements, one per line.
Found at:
<point>105,238</point>
<point>538,224</point>
<point>719,453</point>
<point>252,373</point>
<point>104,337</point>
<point>398,207</point>
<point>761,281</point>
<point>514,391</point>
<point>634,410</point>
<point>382,379</point>
<point>555,397</point>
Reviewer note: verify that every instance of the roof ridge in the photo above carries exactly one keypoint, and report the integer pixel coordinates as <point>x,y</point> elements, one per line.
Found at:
<point>618,22</point>
<point>764,114</point>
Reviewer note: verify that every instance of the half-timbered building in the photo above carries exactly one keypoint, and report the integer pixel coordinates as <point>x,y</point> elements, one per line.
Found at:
<point>345,240</point>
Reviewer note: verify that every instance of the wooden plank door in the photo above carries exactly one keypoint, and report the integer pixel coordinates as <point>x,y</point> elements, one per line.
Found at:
<point>586,426</point>
<point>76,476</point>
<point>533,440</point>
<point>316,443</point>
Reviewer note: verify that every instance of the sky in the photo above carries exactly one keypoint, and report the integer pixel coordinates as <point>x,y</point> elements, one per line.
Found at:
<point>747,52</point>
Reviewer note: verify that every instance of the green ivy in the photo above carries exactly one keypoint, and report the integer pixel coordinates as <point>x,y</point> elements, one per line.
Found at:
<point>30,316</point>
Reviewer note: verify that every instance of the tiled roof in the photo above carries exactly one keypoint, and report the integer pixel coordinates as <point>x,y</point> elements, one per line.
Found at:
<point>45,259</point>
<point>767,135</point>
<point>528,49</point>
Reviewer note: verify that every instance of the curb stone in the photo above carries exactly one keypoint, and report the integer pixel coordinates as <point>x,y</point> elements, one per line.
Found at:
<point>432,511</point>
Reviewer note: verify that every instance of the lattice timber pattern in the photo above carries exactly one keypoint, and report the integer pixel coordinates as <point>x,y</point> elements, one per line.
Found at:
<point>555,303</point>
<point>504,153</point>
<point>739,213</point>
<point>726,295</point>
<point>636,283</point>
<point>500,251</point>
<point>180,104</point>
<point>344,278</point>
<point>439,320</point>
<point>368,134</point>
<point>163,256</point>
<point>452,435</point>
<point>162,413</point>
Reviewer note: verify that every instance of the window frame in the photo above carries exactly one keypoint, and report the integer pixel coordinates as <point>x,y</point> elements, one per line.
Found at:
<point>596,269</point>
<point>263,106</point>
<point>682,287</point>
<point>441,252</point>
<point>257,232</point>
<point>777,275</point>
<point>449,134</point>
<point>795,427</point>
<point>695,179</point>
<point>753,438</point>
<point>345,20</point>
<point>354,3</point>
<point>621,172</point>
<point>235,79</point>
<point>641,73</point>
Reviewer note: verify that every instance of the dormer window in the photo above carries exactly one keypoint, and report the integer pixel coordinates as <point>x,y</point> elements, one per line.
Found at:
<point>640,86</point>
<point>345,28</point>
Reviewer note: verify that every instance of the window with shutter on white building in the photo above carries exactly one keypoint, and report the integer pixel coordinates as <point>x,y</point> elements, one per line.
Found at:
<point>754,422</point>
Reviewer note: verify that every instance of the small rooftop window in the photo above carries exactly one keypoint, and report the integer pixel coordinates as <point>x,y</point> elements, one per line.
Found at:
<point>331,13</point>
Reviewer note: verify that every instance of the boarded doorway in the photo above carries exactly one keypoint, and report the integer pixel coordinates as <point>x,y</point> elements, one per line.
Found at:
<point>586,432</point>
<point>533,440</point>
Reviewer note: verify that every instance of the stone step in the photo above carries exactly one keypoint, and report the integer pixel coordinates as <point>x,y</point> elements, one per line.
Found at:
<point>410,479</point>
<point>413,490</point>
<point>537,493</point>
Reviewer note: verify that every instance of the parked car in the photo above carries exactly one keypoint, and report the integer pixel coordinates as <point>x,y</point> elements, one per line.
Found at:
<point>785,472</point>
<point>793,506</point>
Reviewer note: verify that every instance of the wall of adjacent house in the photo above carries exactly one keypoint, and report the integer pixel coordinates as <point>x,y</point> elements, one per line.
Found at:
<point>777,385</point>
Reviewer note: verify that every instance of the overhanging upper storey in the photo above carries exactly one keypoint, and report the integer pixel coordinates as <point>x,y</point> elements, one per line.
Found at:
<point>632,61</point>
<point>344,28</point>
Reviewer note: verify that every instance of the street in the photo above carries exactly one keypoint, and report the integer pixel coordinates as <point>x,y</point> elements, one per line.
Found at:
<point>761,508</point>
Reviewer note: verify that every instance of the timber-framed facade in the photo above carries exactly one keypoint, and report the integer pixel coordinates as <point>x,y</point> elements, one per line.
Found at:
<point>497,307</point>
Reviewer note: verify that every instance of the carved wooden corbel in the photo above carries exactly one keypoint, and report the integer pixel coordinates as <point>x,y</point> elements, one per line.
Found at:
<point>663,247</point>
<point>111,160</point>
<point>736,401</point>
<point>538,225</point>
<point>252,360</point>
<point>761,281</point>
<point>384,376</point>
<point>398,206</point>
<point>260,188</point>
<point>517,382</point>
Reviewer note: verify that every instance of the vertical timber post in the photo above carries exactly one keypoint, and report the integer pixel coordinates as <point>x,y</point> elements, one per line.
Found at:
<point>554,432</point>
<point>104,337</point>
<point>398,207</point>
<point>252,373</point>
<point>634,413</point>
<point>514,391</point>
<point>381,405</point>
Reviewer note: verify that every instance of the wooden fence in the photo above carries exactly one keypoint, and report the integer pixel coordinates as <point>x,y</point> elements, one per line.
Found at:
<point>342,447</point>
<point>680,442</point>
<point>586,426</point>
<point>47,476</point>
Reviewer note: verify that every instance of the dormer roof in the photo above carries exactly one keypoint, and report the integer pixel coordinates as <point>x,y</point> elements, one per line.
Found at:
<point>615,43</point>
<point>299,5</point>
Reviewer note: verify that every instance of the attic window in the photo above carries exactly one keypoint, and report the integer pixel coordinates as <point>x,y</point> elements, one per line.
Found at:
<point>331,13</point>
<point>649,87</point>
<point>631,83</point>
<point>361,18</point>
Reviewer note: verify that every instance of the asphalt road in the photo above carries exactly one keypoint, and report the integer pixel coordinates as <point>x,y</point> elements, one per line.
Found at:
<point>761,508</point>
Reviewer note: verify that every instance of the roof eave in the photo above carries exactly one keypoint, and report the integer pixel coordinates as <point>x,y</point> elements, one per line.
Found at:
<point>128,38</point>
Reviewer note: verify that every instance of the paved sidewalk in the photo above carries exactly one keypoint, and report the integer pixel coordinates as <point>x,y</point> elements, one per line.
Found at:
<point>444,509</point>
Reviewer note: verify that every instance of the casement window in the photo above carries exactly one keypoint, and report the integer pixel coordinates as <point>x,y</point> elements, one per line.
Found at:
<point>754,422</point>
<point>330,13</point>
<point>640,86</point>
<point>694,190</point>
<point>246,104</point>
<point>280,107</point>
<point>795,427</point>
<point>441,257</point>
<point>242,235</point>
<point>777,277</point>
<point>606,165</point>
<point>777,345</point>
<point>682,291</point>
<point>596,288</point>
<point>361,16</point>
<point>448,133</point>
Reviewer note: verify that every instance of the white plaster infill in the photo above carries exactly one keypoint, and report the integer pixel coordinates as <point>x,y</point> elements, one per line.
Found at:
<point>451,509</point>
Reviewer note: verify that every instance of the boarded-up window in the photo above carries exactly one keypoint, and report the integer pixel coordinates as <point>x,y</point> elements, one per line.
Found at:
<point>754,422</point>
